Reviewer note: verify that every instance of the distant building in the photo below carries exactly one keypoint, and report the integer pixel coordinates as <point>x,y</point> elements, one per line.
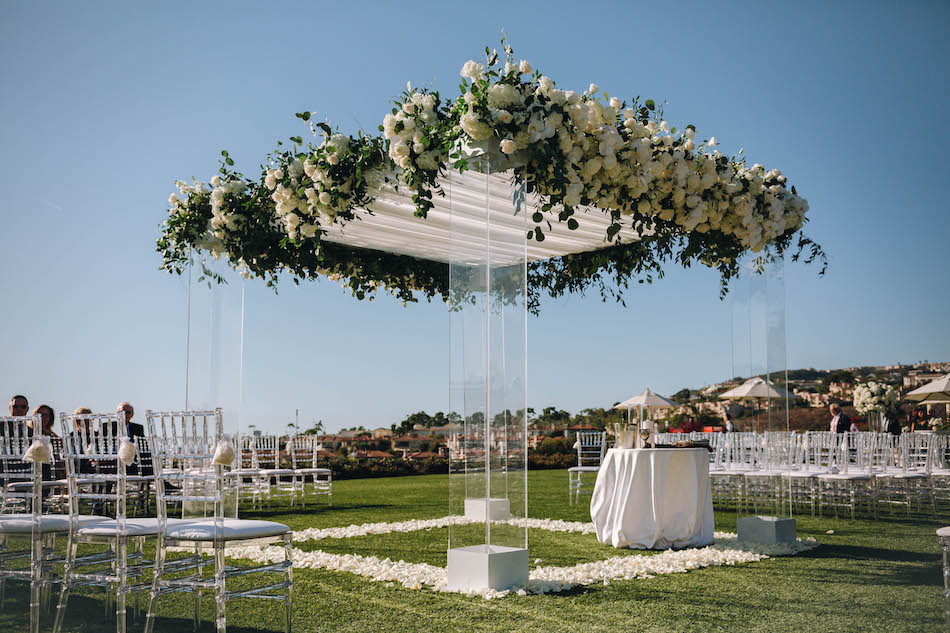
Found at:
<point>422,455</point>
<point>406,444</point>
<point>437,431</point>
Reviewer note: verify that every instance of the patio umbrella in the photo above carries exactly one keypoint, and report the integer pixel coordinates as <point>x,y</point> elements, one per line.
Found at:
<point>755,389</point>
<point>646,400</point>
<point>935,392</point>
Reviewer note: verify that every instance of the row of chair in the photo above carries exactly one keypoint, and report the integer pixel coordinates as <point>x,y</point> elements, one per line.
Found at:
<point>861,472</point>
<point>190,458</point>
<point>261,478</point>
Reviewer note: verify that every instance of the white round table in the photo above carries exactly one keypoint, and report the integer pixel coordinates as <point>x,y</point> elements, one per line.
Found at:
<point>653,498</point>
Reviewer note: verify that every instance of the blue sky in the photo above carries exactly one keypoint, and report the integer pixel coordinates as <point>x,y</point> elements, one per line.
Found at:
<point>104,106</point>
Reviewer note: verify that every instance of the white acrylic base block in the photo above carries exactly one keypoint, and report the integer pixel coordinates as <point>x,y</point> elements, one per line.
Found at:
<point>766,530</point>
<point>487,566</point>
<point>498,509</point>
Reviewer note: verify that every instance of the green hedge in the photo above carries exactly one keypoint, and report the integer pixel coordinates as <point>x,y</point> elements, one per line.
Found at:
<point>397,467</point>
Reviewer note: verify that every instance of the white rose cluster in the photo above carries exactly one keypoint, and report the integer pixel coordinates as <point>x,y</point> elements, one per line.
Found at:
<point>614,160</point>
<point>222,217</point>
<point>875,397</point>
<point>325,194</point>
<point>408,131</point>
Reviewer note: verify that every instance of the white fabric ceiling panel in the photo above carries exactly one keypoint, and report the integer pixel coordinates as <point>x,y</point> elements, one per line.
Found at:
<point>456,229</point>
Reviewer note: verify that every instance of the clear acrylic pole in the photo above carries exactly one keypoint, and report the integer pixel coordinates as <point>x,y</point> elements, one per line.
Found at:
<point>214,353</point>
<point>488,345</point>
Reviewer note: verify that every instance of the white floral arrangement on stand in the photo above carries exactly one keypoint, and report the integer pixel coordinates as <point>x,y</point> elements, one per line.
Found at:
<point>875,400</point>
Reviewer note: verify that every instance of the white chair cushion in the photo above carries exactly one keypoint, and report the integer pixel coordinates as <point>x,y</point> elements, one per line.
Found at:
<point>23,523</point>
<point>277,471</point>
<point>231,529</point>
<point>583,469</point>
<point>944,532</point>
<point>318,471</point>
<point>133,527</point>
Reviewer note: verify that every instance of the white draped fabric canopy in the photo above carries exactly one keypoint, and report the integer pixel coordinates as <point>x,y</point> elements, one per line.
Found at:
<point>455,229</point>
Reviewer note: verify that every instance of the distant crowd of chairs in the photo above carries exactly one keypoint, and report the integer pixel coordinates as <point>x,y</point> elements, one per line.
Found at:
<point>179,486</point>
<point>864,473</point>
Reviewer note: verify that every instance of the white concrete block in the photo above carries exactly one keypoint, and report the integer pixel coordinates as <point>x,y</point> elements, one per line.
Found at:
<point>487,566</point>
<point>766,530</point>
<point>497,509</point>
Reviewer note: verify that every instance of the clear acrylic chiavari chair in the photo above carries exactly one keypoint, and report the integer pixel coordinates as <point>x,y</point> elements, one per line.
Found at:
<point>194,443</point>
<point>277,483</point>
<point>591,448</point>
<point>22,516</point>
<point>97,456</point>
<point>304,454</point>
<point>248,480</point>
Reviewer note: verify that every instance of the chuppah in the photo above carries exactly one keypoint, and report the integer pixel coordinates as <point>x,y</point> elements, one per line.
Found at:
<point>513,191</point>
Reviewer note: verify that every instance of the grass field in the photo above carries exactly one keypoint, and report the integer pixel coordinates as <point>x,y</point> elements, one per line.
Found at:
<point>867,576</point>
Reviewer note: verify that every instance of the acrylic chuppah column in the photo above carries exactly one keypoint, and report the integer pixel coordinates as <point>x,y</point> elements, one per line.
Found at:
<point>488,344</point>
<point>215,336</point>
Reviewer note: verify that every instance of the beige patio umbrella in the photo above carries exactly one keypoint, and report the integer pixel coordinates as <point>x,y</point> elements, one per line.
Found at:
<point>755,389</point>
<point>934,392</point>
<point>646,400</point>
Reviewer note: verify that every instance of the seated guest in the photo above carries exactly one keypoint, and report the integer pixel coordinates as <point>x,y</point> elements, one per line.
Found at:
<point>854,426</point>
<point>18,407</point>
<point>48,417</point>
<point>730,427</point>
<point>134,430</point>
<point>83,424</point>
<point>892,424</point>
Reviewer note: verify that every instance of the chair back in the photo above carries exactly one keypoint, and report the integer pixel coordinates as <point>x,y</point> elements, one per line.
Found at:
<point>20,480</point>
<point>267,448</point>
<point>94,471</point>
<point>183,456</point>
<point>591,446</point>
<point>303,453</point>
<point>247,452</point>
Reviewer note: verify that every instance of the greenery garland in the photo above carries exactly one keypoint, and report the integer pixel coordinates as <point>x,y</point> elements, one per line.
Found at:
<point>579,154</point>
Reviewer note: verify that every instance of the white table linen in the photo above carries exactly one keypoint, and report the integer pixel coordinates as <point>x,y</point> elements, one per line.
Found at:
<point>653,498</point>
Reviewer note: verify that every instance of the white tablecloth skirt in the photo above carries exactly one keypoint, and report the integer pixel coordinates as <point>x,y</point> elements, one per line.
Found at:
<point>653,499</point>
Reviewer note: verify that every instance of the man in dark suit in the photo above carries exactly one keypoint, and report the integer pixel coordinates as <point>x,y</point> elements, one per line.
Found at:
<point>19,406</point>
<point>840,423</point>
<point>134,430</point>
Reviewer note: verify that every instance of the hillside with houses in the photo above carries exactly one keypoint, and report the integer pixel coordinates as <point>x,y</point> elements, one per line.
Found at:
<point>422,437</point>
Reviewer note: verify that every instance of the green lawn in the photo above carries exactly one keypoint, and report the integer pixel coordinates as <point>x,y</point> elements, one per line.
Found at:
<point>867,576</point>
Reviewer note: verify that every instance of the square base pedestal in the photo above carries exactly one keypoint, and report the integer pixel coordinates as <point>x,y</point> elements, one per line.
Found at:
<point>487,566</point>
<point>766,530</point>
<point>490,509</point>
